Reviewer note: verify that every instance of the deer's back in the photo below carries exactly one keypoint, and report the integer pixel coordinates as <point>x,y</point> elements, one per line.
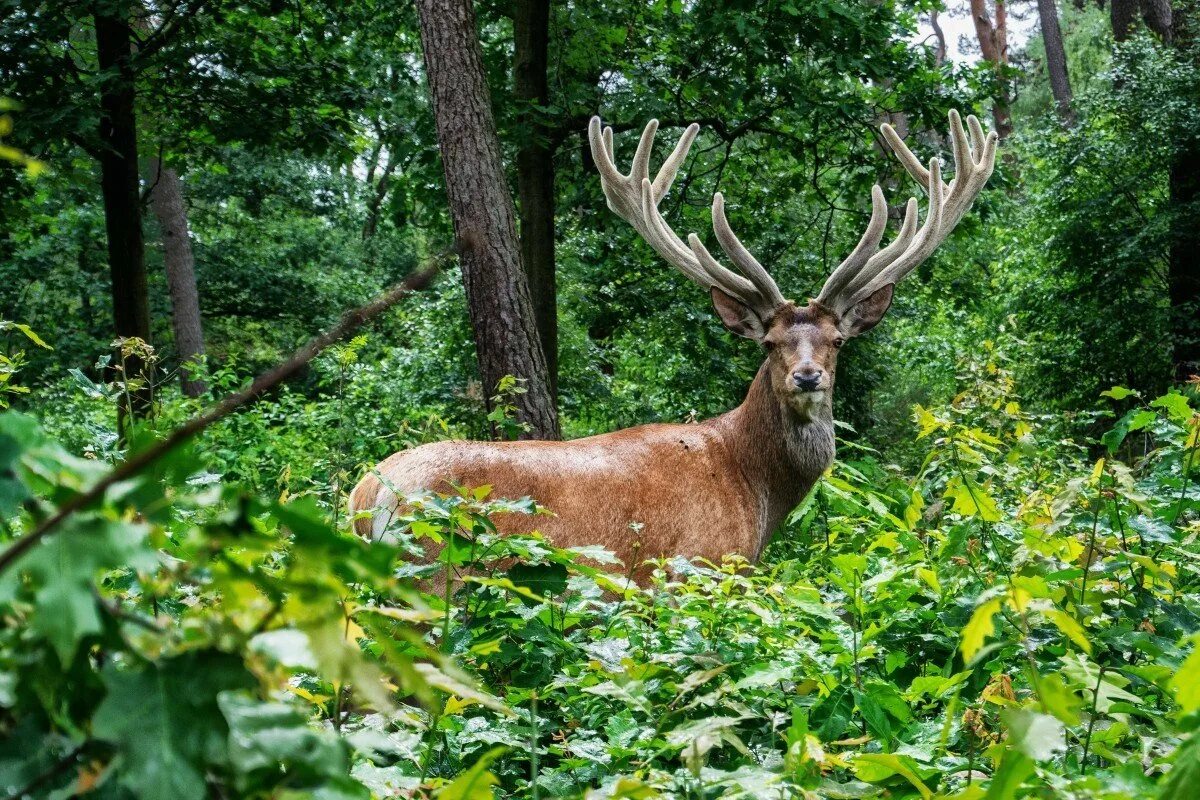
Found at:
<point>677,482</point>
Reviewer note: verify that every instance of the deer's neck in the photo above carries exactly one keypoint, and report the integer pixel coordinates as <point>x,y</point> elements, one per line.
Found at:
<point>779,452</point>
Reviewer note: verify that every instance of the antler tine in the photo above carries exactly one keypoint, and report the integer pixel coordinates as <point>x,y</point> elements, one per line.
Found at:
<point>668,245</point>
<point>974,159</point>
<point>741,257</point>
<point>635,198</point>
<point>836,283</point>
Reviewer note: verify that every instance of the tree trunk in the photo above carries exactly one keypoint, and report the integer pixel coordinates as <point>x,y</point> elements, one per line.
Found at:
<point>993,45</point>
<point>940,53</point>
<point>535,175</point>
<point>1184,267</point>
<point>119,186</point>
<point>506,339</point>
<point>1121,14</point>
<point>1158,17</point>
<point>169,208</point>
<point>1184,273</point>
<point>1056,60</point>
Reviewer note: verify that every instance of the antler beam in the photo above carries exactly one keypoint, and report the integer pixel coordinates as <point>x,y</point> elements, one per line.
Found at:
<point>635,198</point>
<point>865,271</point>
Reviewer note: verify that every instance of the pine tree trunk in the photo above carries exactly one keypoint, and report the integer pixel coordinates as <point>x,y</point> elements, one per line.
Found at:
<point>1056,60</point>
<point>535,175</point>
<point>1121,14</point>
<point>993,45</point>
<point>167,201</point>
<point>1184,266</point>
<point>119,186</point>
<point>506,339</point>
<point>1184,271</point>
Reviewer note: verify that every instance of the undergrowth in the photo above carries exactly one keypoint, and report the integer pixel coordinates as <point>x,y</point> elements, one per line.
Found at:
<point>1016,619</point>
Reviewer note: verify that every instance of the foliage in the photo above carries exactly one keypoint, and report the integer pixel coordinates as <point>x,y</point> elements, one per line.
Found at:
<point>1016,619</point>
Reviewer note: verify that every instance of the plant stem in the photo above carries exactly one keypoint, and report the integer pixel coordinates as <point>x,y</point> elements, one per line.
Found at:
<point>533,745</point>
<point>1187,471</point>
<point>1087,742</point>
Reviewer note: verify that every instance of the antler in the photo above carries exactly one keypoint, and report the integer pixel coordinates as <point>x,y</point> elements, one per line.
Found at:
<point>865,271</point>
<point>635,198</point>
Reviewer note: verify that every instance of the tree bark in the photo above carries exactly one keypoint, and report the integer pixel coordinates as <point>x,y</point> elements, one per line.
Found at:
<point>1184,265</point>
<point>1056,60</point>
<point>1121,14</point>
<point>506,339</point>
<point>940,53</point>
<point>993,45</point>
<point>1159,18</point>
<point>535,174</point>
<point>119,186</point>
<point>1184,270</point>
<point>167,201</point>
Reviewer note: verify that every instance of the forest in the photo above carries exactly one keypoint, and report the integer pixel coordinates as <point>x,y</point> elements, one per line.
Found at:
<point>249,250</point>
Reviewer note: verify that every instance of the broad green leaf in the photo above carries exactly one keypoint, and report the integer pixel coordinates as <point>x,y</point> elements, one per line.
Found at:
<point>63,569</point>
<point>1176,406</point>
<point>1006,781</point>
<point>476,783</point>
<point>979,627</point>
<point>877,767</point>
<point>971,499</point>
<point>1039,736</point>
<point>1186,682</point>
<point>1069,628</point>
<point>1184,776</point>
<point>1118,393</point>
<point>265,738</point>
<point>164,721</point>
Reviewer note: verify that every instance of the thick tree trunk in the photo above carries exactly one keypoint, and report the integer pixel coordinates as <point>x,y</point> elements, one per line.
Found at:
<point>1056,60</point>
<point>1184,273</point>
<point>1184,269</point>
<point>1121,14</point>
<point>535,175</point>
<point>993,45</point>
<point>169,208</point>
<point>119,185</point>
<point>506,339</point>
<point>1159,17</point>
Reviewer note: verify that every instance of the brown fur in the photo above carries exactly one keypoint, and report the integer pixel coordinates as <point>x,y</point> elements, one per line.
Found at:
<point>706,490</point>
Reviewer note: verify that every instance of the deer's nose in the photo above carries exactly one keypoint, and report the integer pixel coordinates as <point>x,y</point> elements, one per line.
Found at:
<point>807,378</point>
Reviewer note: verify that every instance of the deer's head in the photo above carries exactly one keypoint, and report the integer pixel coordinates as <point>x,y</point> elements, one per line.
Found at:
<point>802,341</point>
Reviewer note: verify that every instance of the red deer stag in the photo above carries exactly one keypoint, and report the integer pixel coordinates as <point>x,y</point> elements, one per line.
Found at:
<point>724,485</point>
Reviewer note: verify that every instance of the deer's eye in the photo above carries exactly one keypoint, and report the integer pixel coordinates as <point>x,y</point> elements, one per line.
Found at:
<point>767,343</point>
<point>838,342</point>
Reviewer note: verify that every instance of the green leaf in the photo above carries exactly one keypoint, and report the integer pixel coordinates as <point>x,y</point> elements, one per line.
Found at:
<point>62,571</point>
<point>1118,393</point>
<point>1186,682</point>
<point>1006,781</point>
<point>1175,404</point>
<point>970,499</point>
<point>1039,736</point>
<point>876,767</point>
<point>1069,628</point>
<point>267,738</point>
<point>546,580</point>
<point>1184,776</point>
<point>476,783</point>
<point>979,627</point>
<point>164,722</point>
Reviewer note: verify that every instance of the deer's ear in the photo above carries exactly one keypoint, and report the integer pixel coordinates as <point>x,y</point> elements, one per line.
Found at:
<point>867,312</point>
<point>737,317</point>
